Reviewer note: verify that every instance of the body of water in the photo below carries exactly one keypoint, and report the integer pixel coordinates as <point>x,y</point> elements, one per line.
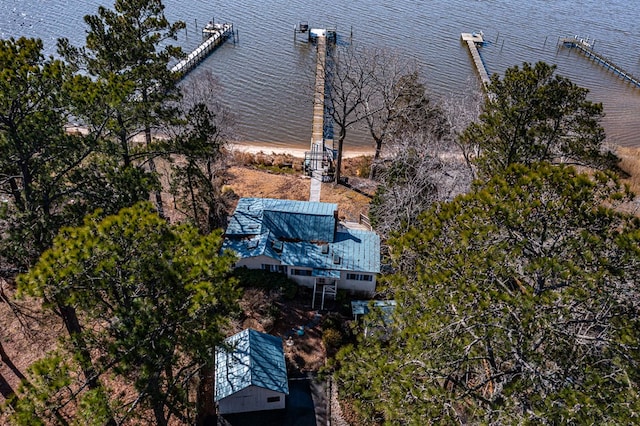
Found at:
<point>266,76</point>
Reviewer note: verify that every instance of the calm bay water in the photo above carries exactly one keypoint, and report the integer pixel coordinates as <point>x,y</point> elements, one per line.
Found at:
<point>266,76</point>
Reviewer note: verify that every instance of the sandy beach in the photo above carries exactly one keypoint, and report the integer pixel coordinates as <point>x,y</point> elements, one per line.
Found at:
<point>252,147</point>
<point>296,151</point>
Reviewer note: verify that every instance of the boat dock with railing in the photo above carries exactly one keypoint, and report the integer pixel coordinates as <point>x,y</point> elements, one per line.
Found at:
<point>586,48</point>
<point>315,159</point>
<point>319,160</point>
<point>213,35</point>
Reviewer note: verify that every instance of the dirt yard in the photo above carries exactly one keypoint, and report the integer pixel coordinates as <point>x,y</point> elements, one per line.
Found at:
<point>261,176</point>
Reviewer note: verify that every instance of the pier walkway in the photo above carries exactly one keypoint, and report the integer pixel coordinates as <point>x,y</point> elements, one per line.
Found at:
<point>316,159</point>
<point>474,40</point>
<point>584,47</point>
<point>214,35</point>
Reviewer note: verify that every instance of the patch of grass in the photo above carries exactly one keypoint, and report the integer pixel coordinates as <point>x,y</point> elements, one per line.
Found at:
<point>285,164</point>
<point>357,166</point>
<point>279,170</point>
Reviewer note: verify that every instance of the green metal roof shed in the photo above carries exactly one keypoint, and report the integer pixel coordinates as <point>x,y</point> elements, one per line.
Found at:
<point>251,373</point>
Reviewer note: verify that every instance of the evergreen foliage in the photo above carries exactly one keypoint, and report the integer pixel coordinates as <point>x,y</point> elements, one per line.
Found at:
<point>126,60</point>
<point>532,115</point>
<point>266,280</point>
<point>152,299</point>
<point>517,303</point>
<point>38,160</point>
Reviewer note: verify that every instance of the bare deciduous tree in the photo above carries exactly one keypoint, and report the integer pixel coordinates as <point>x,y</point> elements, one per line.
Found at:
<point>423,163</point>
<point>385,93</point>
<point>386,97</point>
<point>460,111</point>
<point>196,152</point>
<point>421,169</point>
<point>349,78</point>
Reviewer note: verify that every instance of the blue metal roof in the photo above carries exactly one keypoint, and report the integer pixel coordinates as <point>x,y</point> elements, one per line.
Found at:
<point>247,219</point>
<point>250,359</point>
<point>352,250</point>
<point>286,219</point>
<point>301,233</point>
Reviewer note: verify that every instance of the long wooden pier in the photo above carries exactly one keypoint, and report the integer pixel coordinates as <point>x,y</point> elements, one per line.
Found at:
<point>316,155</point>
<point>319,159</point>
<point>474,40</point>
<point>317,133</point>
<point>584,47</point>
<point>214,35</point>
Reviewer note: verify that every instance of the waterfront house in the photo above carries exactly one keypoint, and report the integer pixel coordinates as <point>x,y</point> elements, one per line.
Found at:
<point>306,241</point>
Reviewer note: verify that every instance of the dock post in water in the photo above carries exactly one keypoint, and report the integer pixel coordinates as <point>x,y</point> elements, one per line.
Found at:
<point>584,47</point>
<point>473,40</point>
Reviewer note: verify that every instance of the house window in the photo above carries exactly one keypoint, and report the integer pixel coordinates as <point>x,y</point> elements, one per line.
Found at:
<point>273,399</point>
<point>274,268</point>
<point>301,272</point>
<point>360,277</point>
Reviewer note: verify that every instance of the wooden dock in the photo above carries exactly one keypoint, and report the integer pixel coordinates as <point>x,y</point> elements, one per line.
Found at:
<point>474,40</point>
<point>584,47</point>
<point>316,156</point>
<point>317,133</point>
<point>319,159</point>
<point>213,35</point>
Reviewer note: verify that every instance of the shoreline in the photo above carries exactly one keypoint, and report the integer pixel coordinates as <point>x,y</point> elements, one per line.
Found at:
<point>294,150</point>
<point>254,147</point>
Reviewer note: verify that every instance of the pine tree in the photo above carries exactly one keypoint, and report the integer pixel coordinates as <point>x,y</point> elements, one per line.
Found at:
<point>153,299</point>
<point>532,115</point>
<point>517,303</point>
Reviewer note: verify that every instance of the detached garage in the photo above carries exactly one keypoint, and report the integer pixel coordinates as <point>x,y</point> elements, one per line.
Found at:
<point>251,373</point>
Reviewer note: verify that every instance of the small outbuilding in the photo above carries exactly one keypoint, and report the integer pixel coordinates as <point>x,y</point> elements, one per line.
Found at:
<point>251,373</point>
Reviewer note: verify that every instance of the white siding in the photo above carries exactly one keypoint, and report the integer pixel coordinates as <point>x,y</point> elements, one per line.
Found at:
<point>364,287</point>
<point>252,398</point>
<point>303,280</point>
